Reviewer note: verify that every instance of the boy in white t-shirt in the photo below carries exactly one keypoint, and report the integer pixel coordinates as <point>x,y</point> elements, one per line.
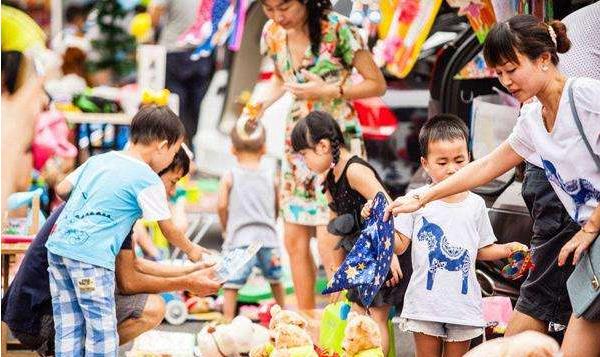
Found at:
<point>443,302</point>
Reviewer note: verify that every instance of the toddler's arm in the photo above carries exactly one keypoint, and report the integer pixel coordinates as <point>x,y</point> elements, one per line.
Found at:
<point>178,239</point>
<point>499,251</point>
<point>223,203</point>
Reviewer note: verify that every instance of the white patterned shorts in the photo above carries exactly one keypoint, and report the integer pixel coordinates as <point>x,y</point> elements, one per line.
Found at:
<point>447,332</point>
<point>83,304</point>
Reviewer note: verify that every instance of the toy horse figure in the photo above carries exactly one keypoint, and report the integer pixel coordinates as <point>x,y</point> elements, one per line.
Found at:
<point>443,255</point>
<point>580,190</point>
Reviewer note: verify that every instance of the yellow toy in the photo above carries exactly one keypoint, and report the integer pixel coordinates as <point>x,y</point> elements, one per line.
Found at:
<point>141,27</point>
<point>281,317</point>
<point>362,337</point>
<point>292,341</point>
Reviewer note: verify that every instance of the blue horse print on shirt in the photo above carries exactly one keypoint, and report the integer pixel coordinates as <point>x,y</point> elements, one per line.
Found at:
<point>443,255</point>
<point>580,190</point>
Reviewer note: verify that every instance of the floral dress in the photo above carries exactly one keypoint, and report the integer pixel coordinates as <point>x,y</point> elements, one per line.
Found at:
<point>301,197</point>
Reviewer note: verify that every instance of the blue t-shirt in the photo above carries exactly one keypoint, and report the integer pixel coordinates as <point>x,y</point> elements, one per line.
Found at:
<point>110,192</point>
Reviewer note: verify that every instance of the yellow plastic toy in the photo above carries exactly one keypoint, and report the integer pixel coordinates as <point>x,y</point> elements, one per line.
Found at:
<point>141,27</point>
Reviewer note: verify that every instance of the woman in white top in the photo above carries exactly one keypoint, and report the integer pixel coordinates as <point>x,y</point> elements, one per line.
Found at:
<point>523,52</point>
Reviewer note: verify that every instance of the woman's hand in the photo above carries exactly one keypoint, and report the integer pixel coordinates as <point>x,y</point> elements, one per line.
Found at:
<point>314,88</point>
<point>404,204</point>
<point>396,272</point>
<point>580,242</point>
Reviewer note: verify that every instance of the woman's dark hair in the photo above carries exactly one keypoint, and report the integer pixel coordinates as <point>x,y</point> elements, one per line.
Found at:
<point>527,35</point>
<point>156,123</point>
<point>181,161</point>
<point>318,125</point>
<point>317,10</point>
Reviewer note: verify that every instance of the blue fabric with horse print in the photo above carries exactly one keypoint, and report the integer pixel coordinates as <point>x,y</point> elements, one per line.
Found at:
<point>445,240</point>
<point>368,263</point>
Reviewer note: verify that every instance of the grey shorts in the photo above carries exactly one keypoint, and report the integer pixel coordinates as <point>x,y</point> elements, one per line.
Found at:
<point>127,306</point>
<point>445,331</point>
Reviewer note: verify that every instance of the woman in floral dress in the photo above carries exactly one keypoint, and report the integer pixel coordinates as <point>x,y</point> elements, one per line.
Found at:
<point>314,51</point>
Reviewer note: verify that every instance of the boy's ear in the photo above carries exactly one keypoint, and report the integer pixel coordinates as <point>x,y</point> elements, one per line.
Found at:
<point>425,164</point>
<point>163,145</point>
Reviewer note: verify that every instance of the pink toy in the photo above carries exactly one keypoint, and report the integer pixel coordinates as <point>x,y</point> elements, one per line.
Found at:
<point>51,139</point>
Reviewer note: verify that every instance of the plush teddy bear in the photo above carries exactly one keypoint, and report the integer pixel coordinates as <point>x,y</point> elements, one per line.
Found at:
<point>285,317</point>
<point>362,337</point>
<point>292,341</point>
<point>232,339</point>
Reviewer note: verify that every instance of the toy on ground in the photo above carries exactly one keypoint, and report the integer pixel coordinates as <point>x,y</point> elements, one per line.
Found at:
<point>368,263</point>
<point>362,337</point>
<point>357,16</point>
<point>233,339</point>
<point>280,317</point>
<point>528,343</point>
<point>333,325</point>
<point>292,341</point>
<point>519,264</point>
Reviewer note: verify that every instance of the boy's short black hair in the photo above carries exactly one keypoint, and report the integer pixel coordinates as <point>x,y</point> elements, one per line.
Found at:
<point>181,161</point>
<point>252,145</point>
<point>156,123</point>
<point>446,127</point>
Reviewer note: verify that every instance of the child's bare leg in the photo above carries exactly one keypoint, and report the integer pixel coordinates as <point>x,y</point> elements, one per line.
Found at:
<point>229,303</point>
<point>427,346</point>
<point>380,315</point>
<point>330,257</point>
<point>456,349</point>
<point>278,294</point>
<point>304,273</point>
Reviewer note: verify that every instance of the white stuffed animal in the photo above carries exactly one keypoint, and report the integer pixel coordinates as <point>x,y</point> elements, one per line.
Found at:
<point>232,339</point>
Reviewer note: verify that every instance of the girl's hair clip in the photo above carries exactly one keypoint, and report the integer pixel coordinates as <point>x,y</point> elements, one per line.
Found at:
<point>160,98</point>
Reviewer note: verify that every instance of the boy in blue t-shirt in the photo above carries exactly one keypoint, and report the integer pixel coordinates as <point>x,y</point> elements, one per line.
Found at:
<point>107,194</point>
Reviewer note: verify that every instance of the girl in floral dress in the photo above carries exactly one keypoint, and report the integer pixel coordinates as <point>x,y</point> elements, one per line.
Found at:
<point>314,51</point>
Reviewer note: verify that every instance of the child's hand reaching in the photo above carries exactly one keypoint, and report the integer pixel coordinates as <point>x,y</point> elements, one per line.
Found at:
<point>514,247</point>
<point>366,210</point>
<point>195,254</point>
<point>396,272</point>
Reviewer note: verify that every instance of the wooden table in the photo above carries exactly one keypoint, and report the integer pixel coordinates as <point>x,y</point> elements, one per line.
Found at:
<point>9,252</point>
<point>97,118</point>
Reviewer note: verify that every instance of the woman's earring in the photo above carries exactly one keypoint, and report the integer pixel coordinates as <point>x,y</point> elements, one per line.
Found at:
<point>544,67</point>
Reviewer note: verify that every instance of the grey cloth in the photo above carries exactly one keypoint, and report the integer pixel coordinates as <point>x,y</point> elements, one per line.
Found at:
<point>251,209</point>
<point>583,58</point>
<point>179,16</point>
